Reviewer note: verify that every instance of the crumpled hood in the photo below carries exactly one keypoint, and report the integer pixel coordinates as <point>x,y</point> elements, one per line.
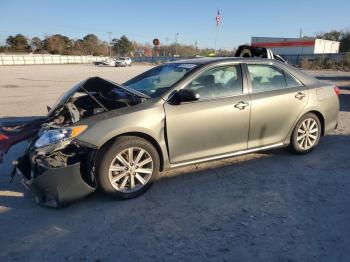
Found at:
<point>92,84</point>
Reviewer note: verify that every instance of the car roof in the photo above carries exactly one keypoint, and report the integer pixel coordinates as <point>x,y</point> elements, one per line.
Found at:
<point>302,76</point>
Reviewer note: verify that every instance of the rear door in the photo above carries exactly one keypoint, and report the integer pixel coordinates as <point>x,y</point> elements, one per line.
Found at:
<point>277,99</point>
<point>216,124</point>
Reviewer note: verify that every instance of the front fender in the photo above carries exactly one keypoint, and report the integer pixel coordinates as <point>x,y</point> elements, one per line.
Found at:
<point>149,122</point>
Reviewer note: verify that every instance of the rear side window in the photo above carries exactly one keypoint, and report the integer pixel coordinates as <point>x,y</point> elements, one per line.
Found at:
<point>267,78</point>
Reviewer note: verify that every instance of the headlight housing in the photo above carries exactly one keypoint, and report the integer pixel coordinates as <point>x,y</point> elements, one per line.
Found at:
<point>55,136</point>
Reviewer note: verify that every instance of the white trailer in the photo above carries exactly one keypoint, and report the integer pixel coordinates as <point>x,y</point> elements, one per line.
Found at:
<point>296,46</point>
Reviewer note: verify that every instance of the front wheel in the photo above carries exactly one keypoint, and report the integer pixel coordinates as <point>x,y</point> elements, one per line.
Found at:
<point>128,167</point>
<point>306,134</point>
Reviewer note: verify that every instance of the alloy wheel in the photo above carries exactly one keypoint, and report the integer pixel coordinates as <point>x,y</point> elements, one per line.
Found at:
<point>308,133</point>
<point>131,169</point>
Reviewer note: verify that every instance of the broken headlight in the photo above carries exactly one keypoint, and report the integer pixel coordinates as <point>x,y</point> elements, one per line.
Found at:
<point>55,136</point>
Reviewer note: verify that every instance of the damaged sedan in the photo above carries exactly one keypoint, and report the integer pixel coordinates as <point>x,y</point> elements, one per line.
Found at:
<point>119,137</point>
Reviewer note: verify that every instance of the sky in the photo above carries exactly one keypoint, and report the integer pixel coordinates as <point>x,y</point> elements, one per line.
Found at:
<point>193,20</point>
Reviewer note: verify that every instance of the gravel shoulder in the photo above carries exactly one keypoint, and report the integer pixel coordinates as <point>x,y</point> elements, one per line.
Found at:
<point>268,206</point>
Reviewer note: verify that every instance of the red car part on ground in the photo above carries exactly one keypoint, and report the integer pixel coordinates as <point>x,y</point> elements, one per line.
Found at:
<point>11,134</point>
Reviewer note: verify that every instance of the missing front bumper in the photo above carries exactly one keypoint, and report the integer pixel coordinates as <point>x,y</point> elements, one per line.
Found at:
<point>57,187</point>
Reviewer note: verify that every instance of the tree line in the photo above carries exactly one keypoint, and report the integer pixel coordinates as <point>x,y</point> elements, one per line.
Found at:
<point>92,45</point>
<point>56,44</point>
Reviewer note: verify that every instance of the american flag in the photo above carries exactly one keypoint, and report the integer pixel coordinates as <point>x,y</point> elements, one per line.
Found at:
<point>218,18</point>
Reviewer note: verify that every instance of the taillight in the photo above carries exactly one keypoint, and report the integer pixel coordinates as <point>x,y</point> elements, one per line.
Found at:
<point>337,90</point>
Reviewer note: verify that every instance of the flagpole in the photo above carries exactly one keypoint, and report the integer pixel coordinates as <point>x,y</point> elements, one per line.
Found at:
<point>216,36</point>
<point>217,18</point>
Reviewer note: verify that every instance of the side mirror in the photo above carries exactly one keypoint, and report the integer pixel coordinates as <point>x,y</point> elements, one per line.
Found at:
<point>184,95</point>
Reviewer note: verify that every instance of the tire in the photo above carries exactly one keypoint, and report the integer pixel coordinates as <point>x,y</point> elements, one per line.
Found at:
<point>124,181</point>
<point>306,134</point>
<point>246,53</point>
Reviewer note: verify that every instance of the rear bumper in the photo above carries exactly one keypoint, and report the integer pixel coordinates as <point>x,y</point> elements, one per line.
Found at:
<point>330,127</point>
<point>57,187</point>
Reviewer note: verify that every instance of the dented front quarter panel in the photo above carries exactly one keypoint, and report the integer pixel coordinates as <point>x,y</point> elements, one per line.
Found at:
<point>147,118</point>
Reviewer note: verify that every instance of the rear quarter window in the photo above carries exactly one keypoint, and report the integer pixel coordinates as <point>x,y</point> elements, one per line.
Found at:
<point>291,80</point>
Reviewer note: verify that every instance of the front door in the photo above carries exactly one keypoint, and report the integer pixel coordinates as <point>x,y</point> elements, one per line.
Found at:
<point>216,124</point>
<point>277,100</point>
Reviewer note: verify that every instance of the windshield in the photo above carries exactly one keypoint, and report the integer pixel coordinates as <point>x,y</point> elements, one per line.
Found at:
<point>158,80</point>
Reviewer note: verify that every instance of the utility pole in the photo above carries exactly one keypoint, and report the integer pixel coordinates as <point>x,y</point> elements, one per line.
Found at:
<point>109,44</point>
<point>196,45</point>
<point>300,34</point>
<point>166,45</point>
<point>176,35</point>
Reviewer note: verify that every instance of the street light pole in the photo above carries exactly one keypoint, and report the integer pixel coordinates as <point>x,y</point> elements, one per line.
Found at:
<point>176,35</point>
<point>109,44</point>
<point>166,45</point>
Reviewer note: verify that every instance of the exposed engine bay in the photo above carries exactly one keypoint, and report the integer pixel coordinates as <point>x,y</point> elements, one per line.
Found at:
<point>91,97</point>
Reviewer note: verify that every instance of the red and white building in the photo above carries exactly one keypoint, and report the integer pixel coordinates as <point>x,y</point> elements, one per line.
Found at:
<point>296,46</point>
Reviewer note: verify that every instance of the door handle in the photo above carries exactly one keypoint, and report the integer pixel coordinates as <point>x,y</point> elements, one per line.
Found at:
<point>241,105</point>
<point>300,95</point>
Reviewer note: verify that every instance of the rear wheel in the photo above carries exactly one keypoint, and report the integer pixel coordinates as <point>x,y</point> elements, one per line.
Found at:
<point>306,134</point>
<point>128,167</point>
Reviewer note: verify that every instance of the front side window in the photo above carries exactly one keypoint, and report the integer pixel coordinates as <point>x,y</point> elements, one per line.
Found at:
<point>218,82</point>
